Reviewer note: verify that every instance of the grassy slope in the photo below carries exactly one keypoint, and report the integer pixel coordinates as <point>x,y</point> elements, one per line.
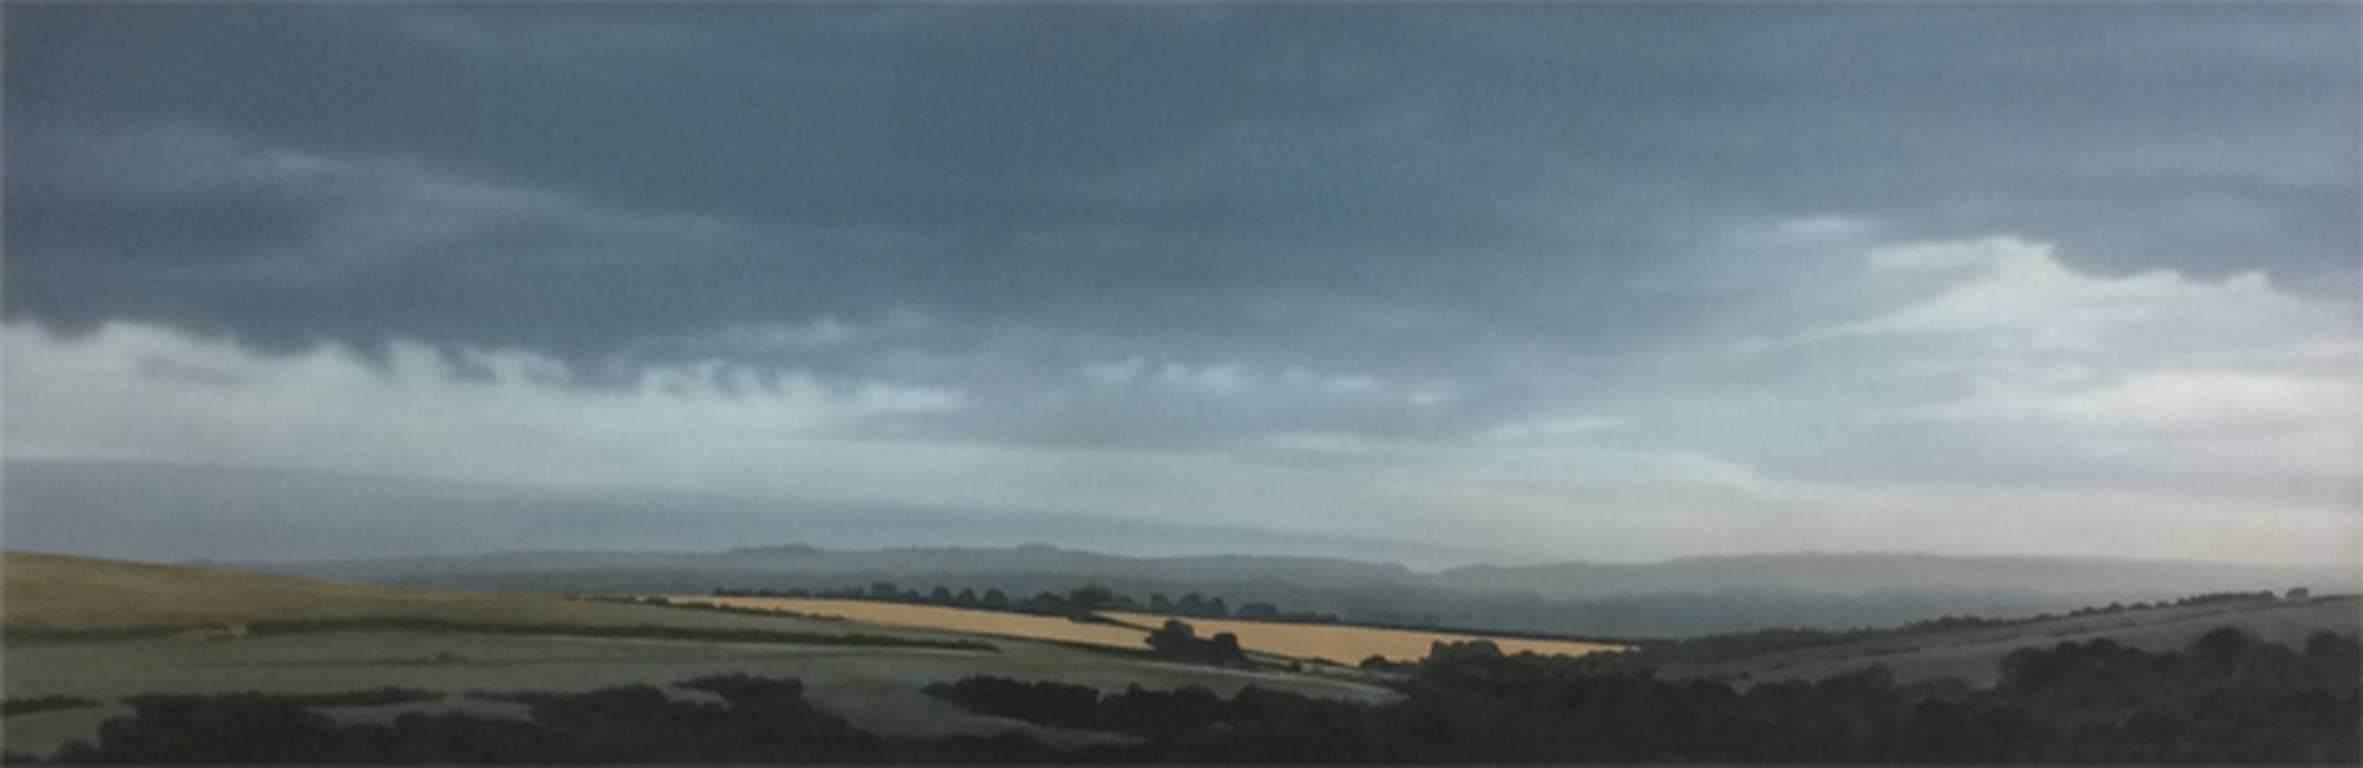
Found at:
<point>1971,654</point>
<point>56,593</point>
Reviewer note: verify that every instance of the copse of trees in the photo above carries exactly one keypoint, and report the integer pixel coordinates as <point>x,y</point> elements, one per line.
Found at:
<point>2215,598</point>
<point>1179,641</point>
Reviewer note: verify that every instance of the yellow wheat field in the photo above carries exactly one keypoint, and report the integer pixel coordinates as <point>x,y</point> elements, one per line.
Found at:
<point>1343,644</point>
<point>995,623</point>
<point>1349,645</point>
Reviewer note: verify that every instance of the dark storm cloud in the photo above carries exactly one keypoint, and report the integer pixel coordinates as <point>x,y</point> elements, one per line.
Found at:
<point>1575,265</point>
<point>1135,168</point>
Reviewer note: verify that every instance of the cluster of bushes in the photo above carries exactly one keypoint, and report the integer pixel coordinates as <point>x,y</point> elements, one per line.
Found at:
<point>1078,603</point>
<point>2228,698</point>
<point>1194,606</point>
<point>1179,641</point>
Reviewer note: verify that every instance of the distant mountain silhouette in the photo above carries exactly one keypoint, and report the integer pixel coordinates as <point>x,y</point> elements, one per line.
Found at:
<point>1886,571</point>
<point>1673,597</point>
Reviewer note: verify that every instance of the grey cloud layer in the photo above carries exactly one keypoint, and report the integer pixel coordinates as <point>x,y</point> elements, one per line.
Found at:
<point>1096,166</point>
<point>1888,256</point>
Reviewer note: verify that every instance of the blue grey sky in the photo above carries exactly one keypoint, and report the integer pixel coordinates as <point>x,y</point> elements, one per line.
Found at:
<point>1442,283</point>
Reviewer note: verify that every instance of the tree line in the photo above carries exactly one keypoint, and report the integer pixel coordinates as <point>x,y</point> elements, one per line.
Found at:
<point>1738,645</point>
<point>1079,603</point>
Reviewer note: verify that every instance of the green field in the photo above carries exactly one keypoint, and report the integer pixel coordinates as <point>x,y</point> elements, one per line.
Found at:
<point>78,647</point>
<point>877,689</point>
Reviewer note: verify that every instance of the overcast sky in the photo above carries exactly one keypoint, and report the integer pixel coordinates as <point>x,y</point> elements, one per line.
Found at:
<point>1436,284</point>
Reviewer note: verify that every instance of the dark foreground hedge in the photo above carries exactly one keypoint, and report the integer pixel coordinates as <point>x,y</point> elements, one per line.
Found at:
<point>2226,699</point>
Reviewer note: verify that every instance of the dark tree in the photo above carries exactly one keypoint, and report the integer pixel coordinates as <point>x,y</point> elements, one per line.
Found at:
<point>1173,639</point>
<point>1179,641</point>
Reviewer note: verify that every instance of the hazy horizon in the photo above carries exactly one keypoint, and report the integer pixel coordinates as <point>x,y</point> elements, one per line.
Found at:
<point>434,524</point>
<point>1506,284</point>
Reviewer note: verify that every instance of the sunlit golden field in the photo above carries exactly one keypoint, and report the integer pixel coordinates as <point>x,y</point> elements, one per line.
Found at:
<point>1349,645</point>
<point>1342,644</point>
<point>999,623</point>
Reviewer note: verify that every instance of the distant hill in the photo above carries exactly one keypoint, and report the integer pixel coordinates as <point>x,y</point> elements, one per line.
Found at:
<point>1853,573</point>
<point>44,593</point>
<point>1674,597</point>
